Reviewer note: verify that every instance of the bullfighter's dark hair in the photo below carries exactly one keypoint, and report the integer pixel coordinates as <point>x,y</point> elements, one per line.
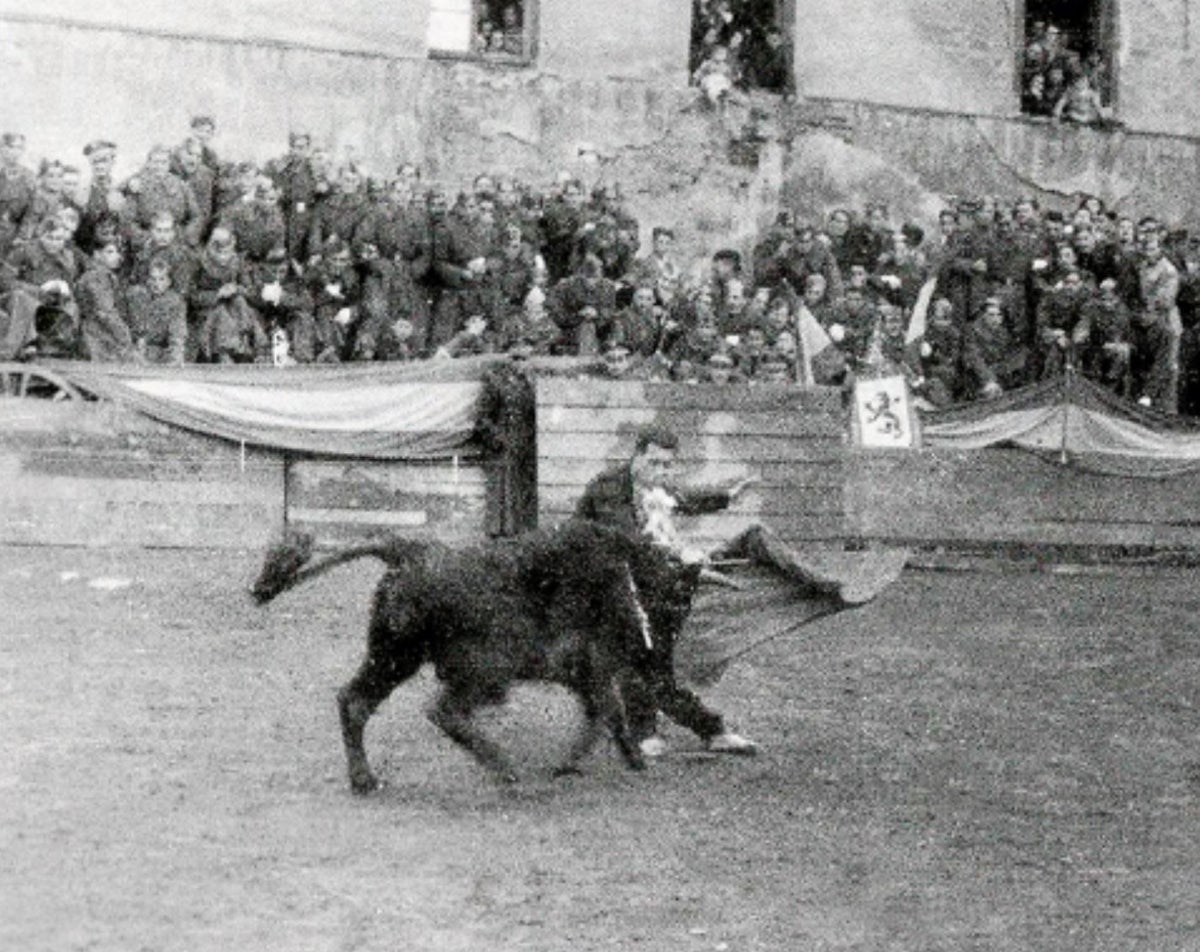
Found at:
<point>655,434</point>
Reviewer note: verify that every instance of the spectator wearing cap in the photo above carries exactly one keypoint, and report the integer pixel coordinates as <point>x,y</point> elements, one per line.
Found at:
<point>156,189</point>
<point>103,316</point>
<point>103,198</point>
<point>17,189</point>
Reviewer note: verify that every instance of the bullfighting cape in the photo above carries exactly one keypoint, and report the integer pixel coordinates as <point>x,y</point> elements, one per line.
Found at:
<point>775,592</point>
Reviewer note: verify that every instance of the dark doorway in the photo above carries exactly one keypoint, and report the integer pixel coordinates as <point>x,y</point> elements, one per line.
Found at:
<point>1071,36</point>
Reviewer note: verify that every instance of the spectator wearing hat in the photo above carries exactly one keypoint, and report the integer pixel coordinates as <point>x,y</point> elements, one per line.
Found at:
<point>17,189</point>
<point>103,320</point>
<point>158,316</point>
<point>103,199</point>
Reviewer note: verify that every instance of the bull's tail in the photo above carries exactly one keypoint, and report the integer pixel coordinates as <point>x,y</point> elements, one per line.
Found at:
<point>288,562</point>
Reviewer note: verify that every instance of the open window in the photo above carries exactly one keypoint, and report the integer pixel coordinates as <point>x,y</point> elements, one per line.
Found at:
<point>493,30</point>
<point>749,41</point>
<point>1064,40</point>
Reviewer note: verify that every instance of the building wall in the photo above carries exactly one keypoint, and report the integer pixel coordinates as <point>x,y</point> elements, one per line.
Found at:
<point>1159,65</point>
<point>937,54</point>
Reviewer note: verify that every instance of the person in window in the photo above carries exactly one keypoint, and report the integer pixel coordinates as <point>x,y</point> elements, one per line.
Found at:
<point>715,76</point>
<point>511,32</point>
<point>1080,103</point>
<point>770,64</point>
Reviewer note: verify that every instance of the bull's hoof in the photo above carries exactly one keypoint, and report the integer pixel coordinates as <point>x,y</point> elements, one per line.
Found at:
<point>567,770</point>
<point>363,785</point>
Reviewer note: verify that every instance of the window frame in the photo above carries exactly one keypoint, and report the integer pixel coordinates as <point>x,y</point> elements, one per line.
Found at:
<point>529,33</point>
<point>1108,14</point>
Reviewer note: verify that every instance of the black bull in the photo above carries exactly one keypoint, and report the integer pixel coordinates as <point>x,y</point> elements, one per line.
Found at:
<point>581,605</point>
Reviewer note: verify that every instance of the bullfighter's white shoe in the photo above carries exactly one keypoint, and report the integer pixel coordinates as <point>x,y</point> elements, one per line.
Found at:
<point>653,746</point>
<point>730,743</point>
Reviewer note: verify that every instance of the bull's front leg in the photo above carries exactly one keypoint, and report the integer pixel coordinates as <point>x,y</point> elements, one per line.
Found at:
<point>452,713</point>
<point>601,707</point>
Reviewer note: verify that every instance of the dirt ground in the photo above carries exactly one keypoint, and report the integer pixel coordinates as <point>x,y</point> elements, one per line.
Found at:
<point>976,761</point>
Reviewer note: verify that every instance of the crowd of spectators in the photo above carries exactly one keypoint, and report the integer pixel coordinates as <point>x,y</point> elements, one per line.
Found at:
<point>195,259</point>
<point>738,45</point>
<point>1060,82</point>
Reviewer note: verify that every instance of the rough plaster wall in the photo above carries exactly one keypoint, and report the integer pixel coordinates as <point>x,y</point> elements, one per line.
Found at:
<point>943,154</point>
<point>938,54</point>
<point>618,38</point>
<point>1160,65</point>
<point>390,28</point>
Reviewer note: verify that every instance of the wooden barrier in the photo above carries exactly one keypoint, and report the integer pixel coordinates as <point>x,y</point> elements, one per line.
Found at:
<point>97,474</point>
<point>337,500</point>
<point>792,440</point>
<point>1010,496</point>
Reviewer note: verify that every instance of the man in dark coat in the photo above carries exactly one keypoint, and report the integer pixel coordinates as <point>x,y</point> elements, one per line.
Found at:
<point>616,497</point>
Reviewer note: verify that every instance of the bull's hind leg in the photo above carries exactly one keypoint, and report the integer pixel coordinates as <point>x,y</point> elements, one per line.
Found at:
<point>381,672</point>
<point>452,713</point>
